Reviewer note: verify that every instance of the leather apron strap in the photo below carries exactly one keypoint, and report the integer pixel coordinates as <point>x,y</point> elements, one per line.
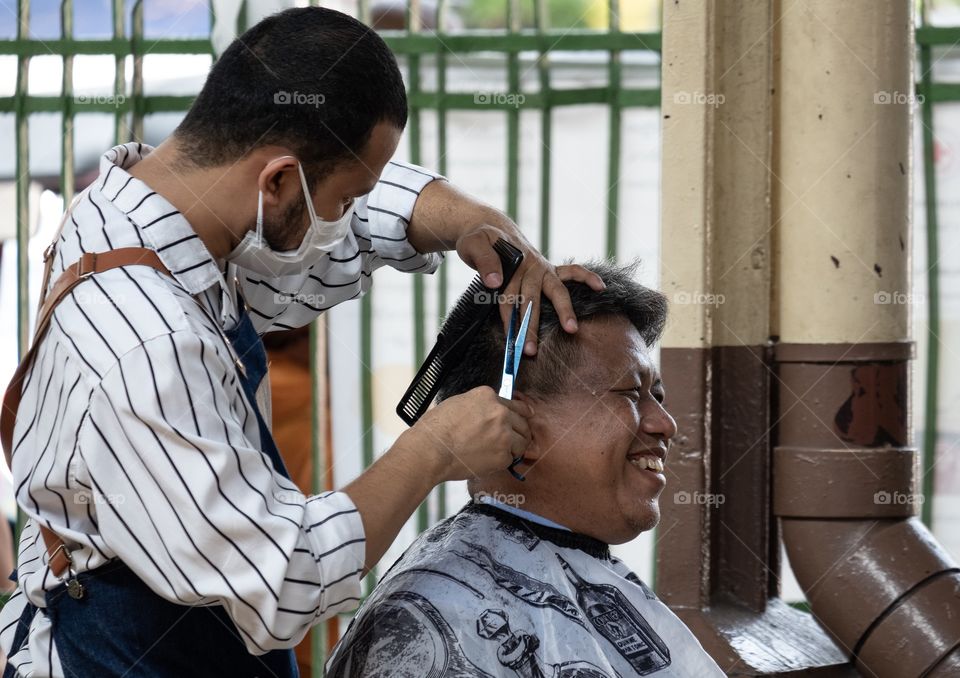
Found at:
<point>89,264</point>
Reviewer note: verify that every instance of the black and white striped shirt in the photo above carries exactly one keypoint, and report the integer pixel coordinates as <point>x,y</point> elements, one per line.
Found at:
<point>134,439</point>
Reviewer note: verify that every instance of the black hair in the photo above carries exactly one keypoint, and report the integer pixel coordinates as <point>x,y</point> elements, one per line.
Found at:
<point>312,79</point>
<point>559,352</point>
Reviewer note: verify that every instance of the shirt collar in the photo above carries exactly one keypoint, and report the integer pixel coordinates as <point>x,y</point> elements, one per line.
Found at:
<point>526,515</point>
<point>162,227</point>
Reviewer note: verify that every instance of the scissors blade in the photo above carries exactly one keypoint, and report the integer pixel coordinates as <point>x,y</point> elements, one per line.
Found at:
<point>521,338</point>
<point>509,360</point>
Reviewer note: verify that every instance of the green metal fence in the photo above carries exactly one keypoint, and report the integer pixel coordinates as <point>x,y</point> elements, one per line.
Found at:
<point>414,46</point>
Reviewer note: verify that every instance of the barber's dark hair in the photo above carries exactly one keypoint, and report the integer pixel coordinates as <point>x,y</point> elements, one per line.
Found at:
<point>559,353</point>
<point>312,79</point>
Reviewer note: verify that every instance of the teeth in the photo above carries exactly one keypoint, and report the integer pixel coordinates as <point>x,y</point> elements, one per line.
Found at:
<point>648,462</point>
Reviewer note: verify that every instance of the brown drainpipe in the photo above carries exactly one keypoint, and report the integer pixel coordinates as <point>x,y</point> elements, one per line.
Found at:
<point>786,228</point>
<point>845,477</point>
<point>845,490</point>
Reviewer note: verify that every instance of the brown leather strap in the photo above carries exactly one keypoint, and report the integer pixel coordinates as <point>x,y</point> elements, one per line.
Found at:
<point>51,251</point>
<point>58,557</point>
<point>89,264</point>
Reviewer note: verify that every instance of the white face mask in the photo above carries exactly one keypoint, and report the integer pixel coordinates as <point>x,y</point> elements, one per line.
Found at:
<point>254,254</point>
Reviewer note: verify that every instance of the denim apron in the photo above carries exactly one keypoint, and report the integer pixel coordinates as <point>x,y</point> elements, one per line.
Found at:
<point>122,628</point>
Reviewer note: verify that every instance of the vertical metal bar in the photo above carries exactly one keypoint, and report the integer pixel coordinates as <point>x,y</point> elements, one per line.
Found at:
<point>441,103</point>
<point>318,635</point>
<point>136,123</point>
<point>120,134</point>
<point>442,168</point>
<point>23,198</point>
<point>932,371</point>
<point>66,120</point>
<point>414,22</point>
<point>213,20</point>
<point>546,129</point>
<point>317,649</point>
<point>67,179</point>
<point>366,394</point>
<point>23,180</point>
<point>613,168</point>
<point>321,454</point>
<point>242,19</point>
<point>514,23</point>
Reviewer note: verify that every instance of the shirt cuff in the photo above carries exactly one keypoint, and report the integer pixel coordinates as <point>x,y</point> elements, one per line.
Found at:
<point>337,539</point>
<point>389,208</point>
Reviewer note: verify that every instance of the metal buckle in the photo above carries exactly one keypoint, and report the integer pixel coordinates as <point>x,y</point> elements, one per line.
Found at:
<point>66,554</point>
<point>75,589</point>
<point>87,265</point>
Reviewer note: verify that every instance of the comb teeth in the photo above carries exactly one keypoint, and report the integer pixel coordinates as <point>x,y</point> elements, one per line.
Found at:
<point>425,385</point>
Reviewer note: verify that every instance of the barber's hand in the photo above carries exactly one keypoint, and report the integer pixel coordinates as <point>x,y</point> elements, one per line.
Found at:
<point>534,277</point>
<point>472,434</point>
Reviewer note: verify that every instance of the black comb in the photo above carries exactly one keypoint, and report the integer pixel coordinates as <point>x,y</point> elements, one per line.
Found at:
<point>471,311</point>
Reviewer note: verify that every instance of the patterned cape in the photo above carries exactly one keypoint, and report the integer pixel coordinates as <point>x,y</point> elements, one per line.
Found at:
<point>488,593</point>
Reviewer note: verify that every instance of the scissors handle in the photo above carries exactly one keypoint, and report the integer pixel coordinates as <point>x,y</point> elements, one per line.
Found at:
<point>514,464</point>
<point>506,387</point>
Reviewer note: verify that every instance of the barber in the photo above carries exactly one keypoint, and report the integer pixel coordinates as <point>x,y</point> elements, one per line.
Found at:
<point>164,535</point>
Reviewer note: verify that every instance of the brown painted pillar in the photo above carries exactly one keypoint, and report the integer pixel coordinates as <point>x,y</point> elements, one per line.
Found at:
<point>786,196</point>
<point>718,544</point>
<point>845,475</point>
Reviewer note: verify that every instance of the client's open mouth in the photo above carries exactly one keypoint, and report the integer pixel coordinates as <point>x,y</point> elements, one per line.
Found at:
<point>647,460</point>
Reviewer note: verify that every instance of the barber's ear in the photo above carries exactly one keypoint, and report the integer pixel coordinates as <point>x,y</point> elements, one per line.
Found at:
<point>278,177</point>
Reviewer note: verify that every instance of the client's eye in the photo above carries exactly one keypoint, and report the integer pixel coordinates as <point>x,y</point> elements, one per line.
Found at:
<point>637,393</point>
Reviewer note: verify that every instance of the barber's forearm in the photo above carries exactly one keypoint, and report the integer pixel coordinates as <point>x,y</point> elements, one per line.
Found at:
<point>388,493</point>
<point>443,213</point>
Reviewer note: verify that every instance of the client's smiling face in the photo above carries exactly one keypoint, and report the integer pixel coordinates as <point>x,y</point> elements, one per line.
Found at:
<point>600,446</point>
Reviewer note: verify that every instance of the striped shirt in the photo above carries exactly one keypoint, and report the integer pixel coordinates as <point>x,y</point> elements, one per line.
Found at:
<point>134,439</point>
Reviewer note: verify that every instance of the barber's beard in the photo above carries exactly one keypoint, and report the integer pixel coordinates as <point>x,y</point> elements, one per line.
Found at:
<point>282,233</point>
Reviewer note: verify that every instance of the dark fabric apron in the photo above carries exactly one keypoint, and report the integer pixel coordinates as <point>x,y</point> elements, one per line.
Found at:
<point>122,628</point>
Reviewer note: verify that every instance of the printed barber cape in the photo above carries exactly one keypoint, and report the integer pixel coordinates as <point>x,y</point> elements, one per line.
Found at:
<point>488,593</point>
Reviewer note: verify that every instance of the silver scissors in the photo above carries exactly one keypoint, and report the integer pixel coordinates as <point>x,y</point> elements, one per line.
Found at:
<point>511,363</point>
